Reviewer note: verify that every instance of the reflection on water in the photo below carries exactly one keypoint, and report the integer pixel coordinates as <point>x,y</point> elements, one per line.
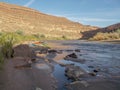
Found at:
<point>106,56</point>
<point>59,75</point>
<point>59,72</point>
<point>82,66</point>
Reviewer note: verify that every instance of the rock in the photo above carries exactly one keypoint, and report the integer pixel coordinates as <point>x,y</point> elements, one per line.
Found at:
<point>22,50</point>
<point>73,72</point>
<point>93,73</point>
<point>80,54</point>
<point>73,55</point>
<point>69,50</point>
<point>52,51</point>
<point>64,65</point>
<point>77,50</point>
<point>59,52</point>
<point>33,59</point>
<point>43,51</point>
<point>95,70</point>
<point>80,82</point>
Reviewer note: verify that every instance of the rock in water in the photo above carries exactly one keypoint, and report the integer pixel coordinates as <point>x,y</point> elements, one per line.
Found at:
<point>73,55</point>
<point>73,72</point>
<point>77,50</point>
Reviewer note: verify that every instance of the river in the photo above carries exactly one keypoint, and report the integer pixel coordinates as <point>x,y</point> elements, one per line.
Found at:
<point>102,55</point>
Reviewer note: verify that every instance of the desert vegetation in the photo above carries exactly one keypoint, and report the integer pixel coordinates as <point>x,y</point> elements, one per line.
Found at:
<point>9,39</point>
<point>13,17</point>
<point>107,36</point>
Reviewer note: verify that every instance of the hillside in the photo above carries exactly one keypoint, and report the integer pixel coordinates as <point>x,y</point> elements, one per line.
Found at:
<point>92,33</point>
<point>13,18</point>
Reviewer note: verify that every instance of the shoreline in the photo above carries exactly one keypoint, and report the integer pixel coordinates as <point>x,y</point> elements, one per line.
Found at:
<point>39,75</point>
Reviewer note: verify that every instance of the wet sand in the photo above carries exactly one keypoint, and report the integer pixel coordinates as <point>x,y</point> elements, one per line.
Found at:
<point>25,79</point>
<point>18,74</point>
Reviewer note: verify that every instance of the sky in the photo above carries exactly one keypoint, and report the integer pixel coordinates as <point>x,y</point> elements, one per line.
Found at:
<point>100,13</point>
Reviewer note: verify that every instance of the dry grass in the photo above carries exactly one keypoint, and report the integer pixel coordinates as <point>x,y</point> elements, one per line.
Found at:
<point>107,36</point>
<point>14,18</point>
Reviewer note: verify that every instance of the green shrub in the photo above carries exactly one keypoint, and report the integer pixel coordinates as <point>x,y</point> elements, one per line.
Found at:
<point>19,32</point>
<point>36,35</point>
<point>42,36</point>
<point>39,36</point>
<point>7,41</point>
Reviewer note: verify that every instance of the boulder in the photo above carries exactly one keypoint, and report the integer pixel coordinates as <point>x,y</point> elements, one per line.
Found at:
<point>22,50</point>
<point>73,72</point>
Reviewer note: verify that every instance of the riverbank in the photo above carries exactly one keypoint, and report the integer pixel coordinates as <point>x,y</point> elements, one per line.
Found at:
<point>113,41</point>
<point>20,74</point>
<point>88,66</point>
<point>108,41</point>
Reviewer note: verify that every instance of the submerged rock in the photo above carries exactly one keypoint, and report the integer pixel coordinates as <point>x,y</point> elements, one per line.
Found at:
<point>55,51</point>
<point>73,55</point>
<point>77,50</point>
<point>90,66</point>
<point>96,70</point>
<point>73,72</point>
<point>92,73</point>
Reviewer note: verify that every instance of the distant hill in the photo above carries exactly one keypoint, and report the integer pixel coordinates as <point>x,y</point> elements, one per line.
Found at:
<point>13,18</point>
<point>90,34</point>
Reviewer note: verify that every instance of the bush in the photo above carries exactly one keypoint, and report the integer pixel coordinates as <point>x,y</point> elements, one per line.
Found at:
<point>19,32</point>
<point>36,35</point>
<point>42,36</point>
<point>7,41</point>
<point>64,37</point>
<point>107,36</point>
